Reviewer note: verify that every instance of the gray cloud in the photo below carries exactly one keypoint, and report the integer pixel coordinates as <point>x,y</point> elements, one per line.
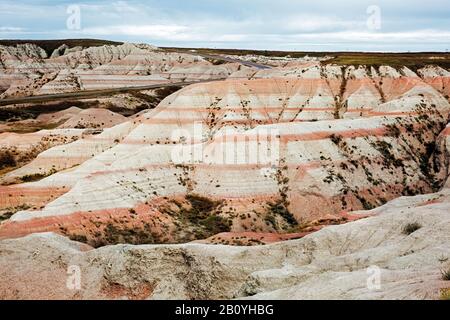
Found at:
<point>262,24</point>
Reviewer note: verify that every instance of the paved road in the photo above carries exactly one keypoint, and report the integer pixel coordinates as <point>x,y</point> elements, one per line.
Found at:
<point>96,93</point>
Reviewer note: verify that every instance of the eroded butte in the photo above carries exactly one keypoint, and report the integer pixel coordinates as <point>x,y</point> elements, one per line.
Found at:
<point>285,182</point>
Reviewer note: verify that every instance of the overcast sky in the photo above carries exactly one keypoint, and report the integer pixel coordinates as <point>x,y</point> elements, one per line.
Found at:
<point>315,25</point>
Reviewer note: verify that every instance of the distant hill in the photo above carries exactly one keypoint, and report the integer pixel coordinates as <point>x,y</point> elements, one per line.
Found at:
<point>413,60</point>
<point>50,45</point>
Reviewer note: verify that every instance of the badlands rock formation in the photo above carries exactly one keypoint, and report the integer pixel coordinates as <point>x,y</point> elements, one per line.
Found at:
<point>22,148</point>
<point>375,140</point>
<point>26,70</point>
<point>94,118</point>
<point>261,157</point>
<point>334,263</point>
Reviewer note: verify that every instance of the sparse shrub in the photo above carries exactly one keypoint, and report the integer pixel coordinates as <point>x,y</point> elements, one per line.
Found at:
<point>118,234</point>
<point>6,216</point>
<point>366,204</point>
<point>385,149</point>
<point>336,139</point>
<point>280,209</point>
<point>411,227</point>
<point>123,234</point>
<point>216,224</point>
<point>445,294</point>
<point>446,275</point>
<point>201,206</point>
<point>270,220</point>
<point>37,176</point>
<point>392,130</point>
<point>7,159</point>
<point>32,177</point>
<point>203,214</point>
<point>78,238</point>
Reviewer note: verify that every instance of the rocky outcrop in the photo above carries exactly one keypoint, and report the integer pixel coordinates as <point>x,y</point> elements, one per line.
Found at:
<point>70,155</point>
<point>323,169</point>
<point>339,262</point>
<point>307,178</point>
<point>24,147</point>
<point>94,119</point>
<point>60,51</point>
